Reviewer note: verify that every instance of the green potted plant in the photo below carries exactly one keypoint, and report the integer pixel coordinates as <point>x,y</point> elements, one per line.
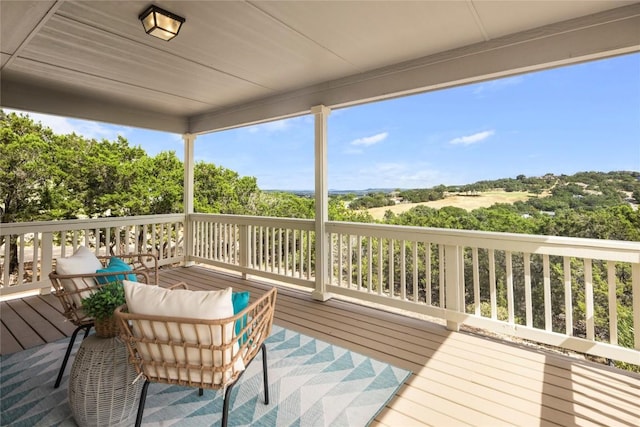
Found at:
<point>101,304</point>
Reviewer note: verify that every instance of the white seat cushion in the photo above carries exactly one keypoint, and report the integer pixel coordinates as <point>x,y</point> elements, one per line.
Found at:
<point>83,261</point>
<point>182,303</point>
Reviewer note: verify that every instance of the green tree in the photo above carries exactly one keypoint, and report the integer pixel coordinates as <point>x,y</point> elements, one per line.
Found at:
<point>221,190</point>
<point>25,171</point>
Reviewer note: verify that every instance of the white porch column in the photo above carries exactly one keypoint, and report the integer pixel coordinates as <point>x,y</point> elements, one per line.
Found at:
<point>189,142</point>
<point>321,113</point>
<point>453,282</point>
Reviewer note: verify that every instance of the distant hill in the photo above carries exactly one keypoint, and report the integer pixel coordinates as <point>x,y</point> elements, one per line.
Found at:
<point>548,193</point>
<point>310,193</point>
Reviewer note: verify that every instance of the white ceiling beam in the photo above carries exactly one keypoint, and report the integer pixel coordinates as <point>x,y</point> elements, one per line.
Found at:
<point>28,97</point>
<point>591,37</point>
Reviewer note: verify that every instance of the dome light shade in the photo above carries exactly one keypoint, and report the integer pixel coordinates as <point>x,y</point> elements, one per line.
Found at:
<point>159,23</point>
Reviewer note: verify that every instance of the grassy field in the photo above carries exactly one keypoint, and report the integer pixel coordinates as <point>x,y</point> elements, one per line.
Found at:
<point>469,203</point>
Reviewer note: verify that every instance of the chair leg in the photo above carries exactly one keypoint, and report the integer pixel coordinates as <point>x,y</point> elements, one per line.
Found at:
<point>225,404</point>
<point>143,398</point>
<point>227,393</point>
<point>265,374</point>
<point>86,332</point>
<point>68,353</point>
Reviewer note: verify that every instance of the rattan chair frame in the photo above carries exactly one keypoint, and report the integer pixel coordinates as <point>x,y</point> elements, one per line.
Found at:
<point>250,341</point>
<point>144,266</point>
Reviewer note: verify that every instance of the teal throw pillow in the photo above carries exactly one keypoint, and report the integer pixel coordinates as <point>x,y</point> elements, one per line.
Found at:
<point>116,265</point>
<point>240,302</point>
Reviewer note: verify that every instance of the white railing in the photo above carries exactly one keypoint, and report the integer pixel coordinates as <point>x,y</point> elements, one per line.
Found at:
<point>521,285</point>
<point>578,294</point>
<point>276,248</point>
<point>28,249</point>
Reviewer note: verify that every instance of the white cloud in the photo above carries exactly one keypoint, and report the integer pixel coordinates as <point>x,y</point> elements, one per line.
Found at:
<point>389,175</point>
<point>472,139</point>
<point>64,125</point>
<point>370,140</point>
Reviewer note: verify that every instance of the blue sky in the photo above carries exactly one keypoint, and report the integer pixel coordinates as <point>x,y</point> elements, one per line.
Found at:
<point>579,118</point>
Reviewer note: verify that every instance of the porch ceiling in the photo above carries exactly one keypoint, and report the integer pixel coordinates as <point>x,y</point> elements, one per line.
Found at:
<point>243,62</point>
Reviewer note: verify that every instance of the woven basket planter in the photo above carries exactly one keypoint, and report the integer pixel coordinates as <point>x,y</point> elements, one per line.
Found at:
<point>106,328</point>
<point>101,388</point>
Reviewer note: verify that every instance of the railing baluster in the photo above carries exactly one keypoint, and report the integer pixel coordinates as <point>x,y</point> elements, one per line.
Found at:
<point>161,244</point>
<point>359,243</point>
<point>63,243</point>
<point>403,271</point>
<point>207,240</point>
<point>380,265</point>
<point>265,256</point>
<point>349,261</point>
<point>527,289</point>
<point>340,240</point>
<point>492,284</point>
<point>509,268</point>
<point>416,291</point>
<point>7,263</point>
<point>21,259</point>
<point>308,255</point>
<point>588,294</point>
<point>302,259</point>
<point>635,290</point>
<point>118,241</point>
<point>568,297</point>
<point>273,249</point>
<point>613,302</point>
<point>391,284</point>
<point>294,252</point>
<point>154,237</point>
<point>107,241</point>
<point>463,285</point>
<point>287,234</point>
<point>476,280</point>
<point>547,293</point>
<point>280,250</point>
<point>46,260</point>
<point>369,264</point>
<point>427,272</point>
<point>222,241</point>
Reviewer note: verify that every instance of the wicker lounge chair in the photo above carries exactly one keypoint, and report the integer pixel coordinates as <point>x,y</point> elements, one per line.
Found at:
<point>71,288</point>
<point>183,351</point>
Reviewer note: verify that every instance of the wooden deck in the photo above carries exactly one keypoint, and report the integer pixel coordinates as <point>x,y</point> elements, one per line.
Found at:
<point>458,378</point>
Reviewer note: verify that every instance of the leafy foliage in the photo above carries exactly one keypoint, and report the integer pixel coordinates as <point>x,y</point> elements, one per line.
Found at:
<point>101,304</point>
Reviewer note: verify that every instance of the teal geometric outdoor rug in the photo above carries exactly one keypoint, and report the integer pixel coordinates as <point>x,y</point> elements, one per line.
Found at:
<point>311,383</point>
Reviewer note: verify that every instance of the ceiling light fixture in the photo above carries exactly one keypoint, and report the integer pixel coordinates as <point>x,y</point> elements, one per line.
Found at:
<point>159,23</point>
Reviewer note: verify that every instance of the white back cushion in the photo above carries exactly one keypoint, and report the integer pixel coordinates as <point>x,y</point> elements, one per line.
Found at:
<point>83,261</point>
<point>204,305</point>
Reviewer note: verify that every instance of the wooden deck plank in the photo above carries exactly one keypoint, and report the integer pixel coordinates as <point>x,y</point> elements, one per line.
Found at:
<point>519,385</point>
<point>52,301</point>
<point>8,343</point>
<point>459,378</point>
<point>52,316</point>
<point>41,326</point>
<point>22,331</point>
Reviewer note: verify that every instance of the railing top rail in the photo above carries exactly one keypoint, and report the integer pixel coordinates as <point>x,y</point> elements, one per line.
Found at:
<point>270,221</point>
<point>615,250</point>
<point>9,228</point>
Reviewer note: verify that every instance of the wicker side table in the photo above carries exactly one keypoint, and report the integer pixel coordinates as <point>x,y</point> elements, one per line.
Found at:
<point>100,389</point>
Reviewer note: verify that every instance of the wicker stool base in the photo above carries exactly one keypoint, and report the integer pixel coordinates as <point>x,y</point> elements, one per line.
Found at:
<point>100,389</point>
